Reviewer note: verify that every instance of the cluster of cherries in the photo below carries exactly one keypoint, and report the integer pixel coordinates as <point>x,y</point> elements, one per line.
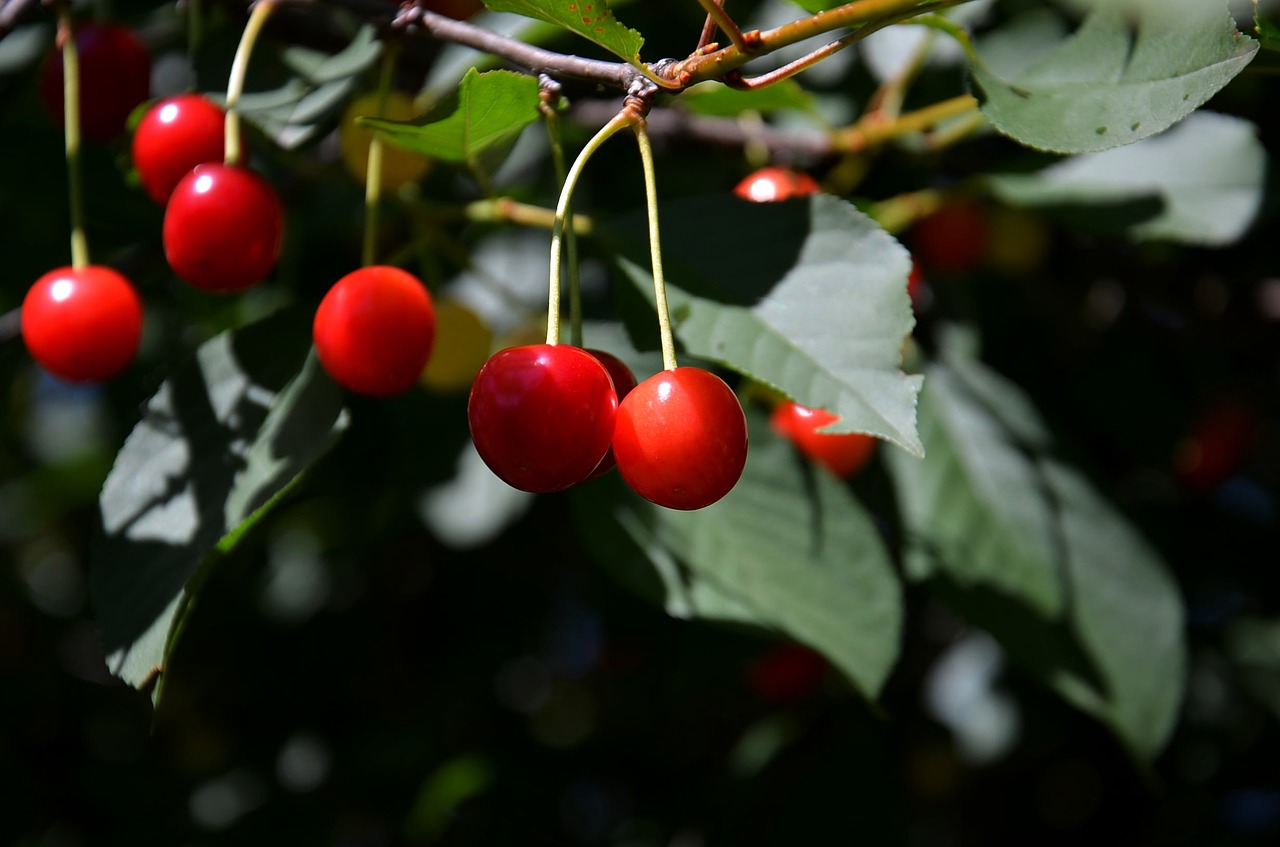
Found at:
<point>223,232</point>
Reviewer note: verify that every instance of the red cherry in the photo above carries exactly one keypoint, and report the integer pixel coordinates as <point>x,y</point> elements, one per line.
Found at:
<point>173,137</point>
<point>223,228</point>
<point>1217,445</point>
<point>115,76</point>
<point>773,183</point>
<point>917,287</point>
<point>787,674</point>
<point>82,324</point>
<point>374,329</point>
<point>542,415</point>
<point>623,381</point>
<point>459,10</point>
<point>843,455</point>
<point>681,438</point>
<point>952,240</point>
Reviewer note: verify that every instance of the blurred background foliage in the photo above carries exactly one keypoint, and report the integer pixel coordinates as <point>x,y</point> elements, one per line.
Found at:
<point>378,664</point>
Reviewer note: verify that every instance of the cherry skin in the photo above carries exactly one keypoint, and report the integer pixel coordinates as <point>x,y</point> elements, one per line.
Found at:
<point>773,183</point>
<point>843,455</point>
<point>459,10</point>
<point>952,240</point>
<point>223,228</point>
<point>542,415</point>
<point>623,381</point>
<point>174,136</point>
<point>681,438</point>
<point>82,324</point>
<point>115,76</point>
<point>374,330</point>
<point>787,673</point>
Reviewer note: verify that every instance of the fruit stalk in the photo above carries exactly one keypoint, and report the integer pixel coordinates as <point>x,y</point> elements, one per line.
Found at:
<point>571,236</point>
<point>655,245</point>
<point>619,121</point>
<point>239,69</point>
<point>71,134</point>
<point>373,169</point>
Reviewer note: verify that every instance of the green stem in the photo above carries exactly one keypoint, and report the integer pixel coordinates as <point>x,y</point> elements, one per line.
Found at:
<point>195,29</point>
<point>239,68</point>
<point>373,169</point>
<point>71,114</point>
<point>655,246</point>
<point>620,120</point>
<point>571,235</point>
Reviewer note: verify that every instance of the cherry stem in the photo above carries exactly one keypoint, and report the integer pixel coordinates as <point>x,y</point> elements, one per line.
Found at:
<point>716,12</point>
<point>619,121</point>
<point>239,69</point>
<point>571,235</point>
<point>71,121</point>
<point>373,168</point>
<point>655,245</point>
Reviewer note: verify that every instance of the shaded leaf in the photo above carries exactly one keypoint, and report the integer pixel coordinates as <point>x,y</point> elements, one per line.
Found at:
<point>807,296</point>
<point>719,100</point>
<point>216,446</point>
<point>488,110</point>
<point>319,68</point>
<point>592,19</point>
<point>1207,174</point>
<point>1112,641</point>
<point>789,549</point>
<point>1267,29</point>
<point>1132,69</point>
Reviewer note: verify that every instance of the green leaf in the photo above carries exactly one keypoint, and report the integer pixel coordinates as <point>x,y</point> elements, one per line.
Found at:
<point>718,100</point>
<point>1267,29</point>
<point>808,297</point>
<point>1132,69</point>
<point>592,19</point>
<point>1021,544</point>
<point>1207,174</point>
<point>319,68</point>
<point>789,548</point>
<point>488,110</point>
<point>1253,646</point>
<point>216,446</point>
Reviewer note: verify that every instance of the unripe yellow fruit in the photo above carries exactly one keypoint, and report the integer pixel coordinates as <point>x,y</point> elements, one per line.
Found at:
<point>461,348</point>
<point>399,166</point>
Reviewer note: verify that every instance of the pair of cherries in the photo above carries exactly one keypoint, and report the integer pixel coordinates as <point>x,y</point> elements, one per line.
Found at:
<point>545,417</point>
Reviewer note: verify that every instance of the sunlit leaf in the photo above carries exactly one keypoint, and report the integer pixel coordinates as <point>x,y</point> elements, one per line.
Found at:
<point>1132,69</point>
<point>592,19</point>
<point>808,297</point>
<point>488,110</point>
<point>1207,174</point>
<point>216,446</point>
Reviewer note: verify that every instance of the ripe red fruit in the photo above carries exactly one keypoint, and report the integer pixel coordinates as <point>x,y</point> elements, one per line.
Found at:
<point>374,330</point>
<point>773,183</point>
<point>952,240</point>
<point>681,438</point>
<point>223,228</point>
<point>82,324</point>
<point>1217,445</point>
<point>542,415</point>
<point>459,10</point>
<point>174,136</point>
<point>115,76</point>
<point>623,381</point>
<point>843,455</point>
<point>786,674</point>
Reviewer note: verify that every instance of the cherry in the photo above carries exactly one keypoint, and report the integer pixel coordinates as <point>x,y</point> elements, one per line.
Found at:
<point>953,239</point>
<point>463,342</point>
<point>82,324</point>
<point>174,136</point>
<point>623,381</point>
<point>115,76</point>
<point>786,674</point>
<point>399,166</point>
<point>681,438</point>
<point>774,183</point>
<point>223,228</point>
<point>459,10</point>
<point>374,329</point>
<point>1217,445</point>
<point>843,454</point>
<point>542,415</point>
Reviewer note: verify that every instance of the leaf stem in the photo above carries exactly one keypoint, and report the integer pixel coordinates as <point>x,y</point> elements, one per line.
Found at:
<point>71,134</point>
<point>655,245</point>
<point>373,168</point>
<point>239,68</point>
<point>620,120</point>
